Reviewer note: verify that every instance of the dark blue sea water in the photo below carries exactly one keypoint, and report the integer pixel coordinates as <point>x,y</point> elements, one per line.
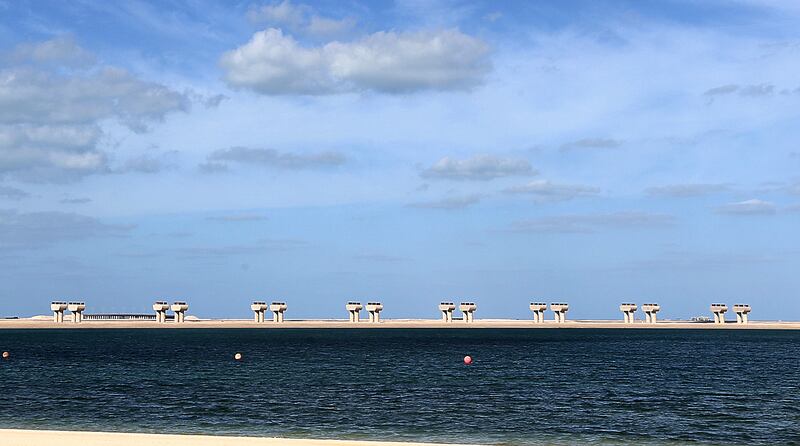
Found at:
<point>525,386</point>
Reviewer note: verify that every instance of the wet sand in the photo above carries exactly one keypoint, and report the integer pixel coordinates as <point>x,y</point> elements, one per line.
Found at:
<point>13,437</point>
<point>398,323</point>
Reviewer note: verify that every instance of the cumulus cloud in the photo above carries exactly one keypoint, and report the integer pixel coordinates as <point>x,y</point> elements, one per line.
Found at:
<point>51,114</point>
<point>592,223</point>
<point>219,159</point>
<point>19,230</point>
<point>592,143</point>
<point>12,193</point>
<point>748,207</point>
<point>274,64</point>
<point>687,190</point>
<point>544,190</point>
<point>448,203</point>
<point>478,168</point>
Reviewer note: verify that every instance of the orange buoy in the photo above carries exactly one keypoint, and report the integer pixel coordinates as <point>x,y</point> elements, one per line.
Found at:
<point>467,360</point>
<point>6,355</point>
<point>237,356</point>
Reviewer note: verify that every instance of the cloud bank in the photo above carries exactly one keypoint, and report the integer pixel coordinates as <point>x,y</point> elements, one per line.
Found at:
<point>272,63</point>
<point>53,101</point>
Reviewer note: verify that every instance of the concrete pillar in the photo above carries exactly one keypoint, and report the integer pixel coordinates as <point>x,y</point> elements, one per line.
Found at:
<point>179,308</point>
<point>76,308</point>
<point>650,311</point>
<point>374,309</point>
<point>628,312</point>
<point>58,309</point>
<point>447,309</point>
<point>259,309</point>
<point>719,312</point>
<point>161,308</point>
<point>278,309</point>
<point>560,312</point>
<point>742,313</point>
<point>354,308</point>
<point>468,310</point>
<point>538,309</point>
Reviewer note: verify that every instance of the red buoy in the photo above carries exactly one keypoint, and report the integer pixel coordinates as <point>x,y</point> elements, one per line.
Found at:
<point>467,360</point>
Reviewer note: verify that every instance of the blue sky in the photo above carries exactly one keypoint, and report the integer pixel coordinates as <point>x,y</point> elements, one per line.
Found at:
<point>407,151</point>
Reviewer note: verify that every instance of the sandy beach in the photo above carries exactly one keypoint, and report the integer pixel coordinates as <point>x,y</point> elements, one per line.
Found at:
<point>398,323</point>
<point>13,437</point>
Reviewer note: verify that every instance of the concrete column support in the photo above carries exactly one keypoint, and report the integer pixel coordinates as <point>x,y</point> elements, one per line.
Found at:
<point>447,309</point>
<point>161,307</point>
<point>179,308</point>
<point>259,310</point>
<point>560,312</point>
<point>58,309</point>
<point>628,312</point>
<point>76,308</point>
<point>650,311</point>
<point>374,309</point>
<point>742,313</point>
<point>468,310</point>
<point>278,309</point>
<point>719,312</point>
<point>354,309</point>
<point>538,309</point>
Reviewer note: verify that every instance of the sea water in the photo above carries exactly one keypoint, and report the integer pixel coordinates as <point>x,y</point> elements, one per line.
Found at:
<point>525,387</point>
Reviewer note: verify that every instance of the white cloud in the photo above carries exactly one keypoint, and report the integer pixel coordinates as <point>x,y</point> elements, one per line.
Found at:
<point>748,207</point>
<point>481,167</point>
<point>273,63</point>
<point>544,190</point>
<point>50,152</point>
<point>52,111</point>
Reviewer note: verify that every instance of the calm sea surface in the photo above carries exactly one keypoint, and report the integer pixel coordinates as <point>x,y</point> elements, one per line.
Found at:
<point>524,387</point>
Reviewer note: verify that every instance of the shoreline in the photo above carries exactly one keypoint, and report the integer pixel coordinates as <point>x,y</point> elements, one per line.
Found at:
<point>24,437</point>
<point>395,324</point>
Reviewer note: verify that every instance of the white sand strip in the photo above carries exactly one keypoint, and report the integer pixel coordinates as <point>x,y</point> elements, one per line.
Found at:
<point>13,437</point>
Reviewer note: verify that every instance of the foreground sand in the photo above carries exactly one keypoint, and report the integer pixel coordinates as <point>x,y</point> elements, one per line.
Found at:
<point>399,323</point>
<point>13,437</point>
